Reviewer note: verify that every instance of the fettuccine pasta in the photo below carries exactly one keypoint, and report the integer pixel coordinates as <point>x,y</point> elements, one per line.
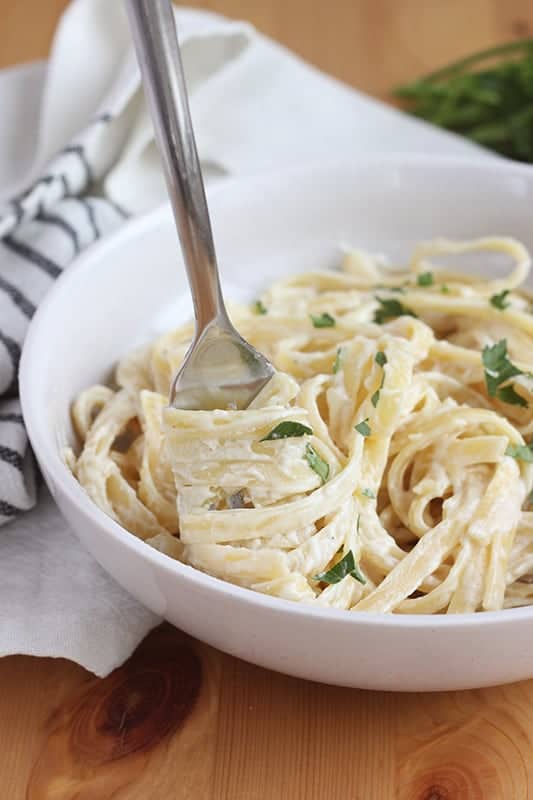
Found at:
<point>385,467</point>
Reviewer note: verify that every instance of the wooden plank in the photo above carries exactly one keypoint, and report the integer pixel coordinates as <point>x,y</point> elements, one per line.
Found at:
<point>476,744</point>
<point>182,721</point>
<point>146,729</point>
<point>30,689</point>
<point>370,44</point>
<point>284,738</point>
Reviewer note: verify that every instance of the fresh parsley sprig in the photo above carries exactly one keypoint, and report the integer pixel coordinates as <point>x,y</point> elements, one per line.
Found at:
<point>507,394</point>
<point>260,308</point>
<point>316,463</point>
<point>286,430</point>
<point>500,301</point>
<point>499,370</point>
<point>522,452</point>
<point>337,364</point>
<point>380,359</point>
<point>424,279</point>
<point>363,428</point>
<point>324,320</point>
<point>390,308</point>
<point>485,97</point>
<point>346,566</point>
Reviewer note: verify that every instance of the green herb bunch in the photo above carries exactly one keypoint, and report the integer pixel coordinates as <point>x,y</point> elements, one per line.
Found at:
<point>487,97</point>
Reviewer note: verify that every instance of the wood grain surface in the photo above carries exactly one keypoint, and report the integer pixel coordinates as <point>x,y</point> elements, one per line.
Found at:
<point>180,720</point>
<point>371,44</point>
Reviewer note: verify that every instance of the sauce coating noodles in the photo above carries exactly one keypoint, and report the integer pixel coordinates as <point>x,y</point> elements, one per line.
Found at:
<point>384,468</point>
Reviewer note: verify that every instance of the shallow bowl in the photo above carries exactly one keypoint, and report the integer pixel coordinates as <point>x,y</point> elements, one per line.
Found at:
<point>131,286</point>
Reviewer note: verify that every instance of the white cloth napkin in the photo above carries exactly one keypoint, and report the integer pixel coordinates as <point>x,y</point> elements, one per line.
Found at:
<point>77,151</point>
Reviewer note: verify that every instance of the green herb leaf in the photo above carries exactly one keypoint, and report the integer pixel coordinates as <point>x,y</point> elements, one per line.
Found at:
<point>390,309</point>
<point>497,365</point>
<point>369,493</point>
<point>346,566</point>
<point>499,369</point>
<point>286,430</point>
<point>337,364</point>
<point>424,279</point>
<point>259,307</point>
<point>499,300</point>
<point>522,452</point>
<point>324,320</point>
<point>444,289</point>
<point>529,498</point>
<point>381,358</point>
<point>358,575</point>
<point>508,395</point>
<point>316,463</point>
<point>363,428</point>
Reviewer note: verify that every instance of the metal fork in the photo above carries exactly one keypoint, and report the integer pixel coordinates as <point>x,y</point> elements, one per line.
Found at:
<point>221,369</point>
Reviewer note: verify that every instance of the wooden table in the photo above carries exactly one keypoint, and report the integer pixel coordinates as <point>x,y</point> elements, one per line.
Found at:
<point>181,720</point>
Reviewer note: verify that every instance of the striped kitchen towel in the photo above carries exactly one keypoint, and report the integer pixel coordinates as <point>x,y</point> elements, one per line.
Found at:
<point>32,254</point>
<point>62,210</point>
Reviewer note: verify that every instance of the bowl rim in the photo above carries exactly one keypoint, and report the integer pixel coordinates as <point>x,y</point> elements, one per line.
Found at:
<point>49,456</point>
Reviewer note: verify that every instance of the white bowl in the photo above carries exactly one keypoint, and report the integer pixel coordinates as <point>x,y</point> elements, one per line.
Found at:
<point>120,293</point>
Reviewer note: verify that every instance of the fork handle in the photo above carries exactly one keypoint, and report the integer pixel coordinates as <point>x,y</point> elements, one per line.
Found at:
<point>156,42</point>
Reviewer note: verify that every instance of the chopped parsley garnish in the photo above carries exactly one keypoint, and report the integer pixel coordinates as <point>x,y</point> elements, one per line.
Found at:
<point>499,301</point>
<point>369,493</point>
<point>522,452</point>
<point>390,309</point>
<point>316,463</point>
<point>508,395</point>
<point>337,364</point>
<point>380,359</point>
<point>324,320</point>
<point>346,566</point>
<point>425,279</point>
<point>499,369</point>
<point>444,289</point>
<point>286,430</point>
<point>363,428</point>
<point>358,575</point>
<point>260,308</point>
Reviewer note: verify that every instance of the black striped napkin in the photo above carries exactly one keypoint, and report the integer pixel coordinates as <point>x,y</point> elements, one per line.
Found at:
<point>43,230</point>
